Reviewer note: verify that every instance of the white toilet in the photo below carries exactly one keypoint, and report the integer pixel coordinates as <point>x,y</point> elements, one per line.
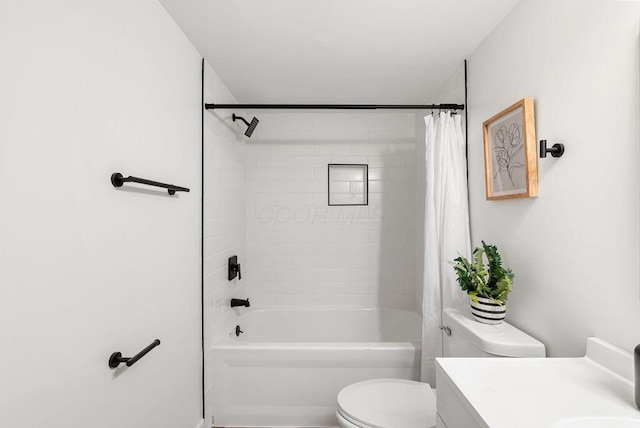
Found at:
<point>400,403</point>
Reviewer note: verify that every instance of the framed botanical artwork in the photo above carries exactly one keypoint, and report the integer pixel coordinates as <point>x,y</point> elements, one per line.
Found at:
<point>510,162</point>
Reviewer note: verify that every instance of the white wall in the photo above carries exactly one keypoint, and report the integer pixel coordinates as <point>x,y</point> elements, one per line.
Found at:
<point>224,195</point>
<point>574,249</point>
<point>303,252</point>
<point>89,88</point>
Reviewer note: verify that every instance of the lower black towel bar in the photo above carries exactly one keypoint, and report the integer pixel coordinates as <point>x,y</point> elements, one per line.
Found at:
<point>116,358</point>
<point>118,180</point>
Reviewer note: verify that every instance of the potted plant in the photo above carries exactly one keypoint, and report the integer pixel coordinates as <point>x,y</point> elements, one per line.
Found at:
<point>488,285</point>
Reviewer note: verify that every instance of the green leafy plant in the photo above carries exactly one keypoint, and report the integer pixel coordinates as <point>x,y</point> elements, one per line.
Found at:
<point>489,280</point>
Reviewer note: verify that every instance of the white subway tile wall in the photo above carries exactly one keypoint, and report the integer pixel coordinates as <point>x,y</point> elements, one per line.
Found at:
<point>302,251</point>
<point>225,214</point>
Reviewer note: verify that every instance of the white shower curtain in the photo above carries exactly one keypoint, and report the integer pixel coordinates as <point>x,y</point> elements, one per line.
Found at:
<point>446,229</point>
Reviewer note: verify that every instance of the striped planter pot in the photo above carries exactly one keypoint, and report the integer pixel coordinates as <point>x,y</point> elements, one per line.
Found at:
<point>487,311</point>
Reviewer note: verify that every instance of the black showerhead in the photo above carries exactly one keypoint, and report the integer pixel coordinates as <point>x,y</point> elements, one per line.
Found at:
<point>251,126</point>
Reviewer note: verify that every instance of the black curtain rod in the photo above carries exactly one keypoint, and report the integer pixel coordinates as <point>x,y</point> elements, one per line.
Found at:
<point>336,106</point>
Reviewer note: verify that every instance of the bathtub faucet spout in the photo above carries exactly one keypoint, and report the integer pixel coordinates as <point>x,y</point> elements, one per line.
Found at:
<point>240,302</point>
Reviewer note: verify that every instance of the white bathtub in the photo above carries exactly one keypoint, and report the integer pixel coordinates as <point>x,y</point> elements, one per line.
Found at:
<point>288,366</point>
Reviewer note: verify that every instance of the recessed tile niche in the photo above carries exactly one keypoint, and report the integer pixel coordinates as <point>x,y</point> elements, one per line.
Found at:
<point>348,184</point>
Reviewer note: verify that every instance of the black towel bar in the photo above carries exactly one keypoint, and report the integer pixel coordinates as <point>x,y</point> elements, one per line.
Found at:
<point>118,180</point>
<point>116,358</point>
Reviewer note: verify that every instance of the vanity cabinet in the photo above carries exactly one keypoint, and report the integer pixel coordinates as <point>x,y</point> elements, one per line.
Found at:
<point>596,390</point>
<point>453,410</point>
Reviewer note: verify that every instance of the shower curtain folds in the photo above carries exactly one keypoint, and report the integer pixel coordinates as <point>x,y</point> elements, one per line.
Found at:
<point>446,229</point>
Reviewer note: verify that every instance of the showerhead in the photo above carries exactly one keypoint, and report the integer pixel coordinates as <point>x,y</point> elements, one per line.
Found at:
<point>251,126</point>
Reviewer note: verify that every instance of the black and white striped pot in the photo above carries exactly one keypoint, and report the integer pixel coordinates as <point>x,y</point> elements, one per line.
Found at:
<point>487,311</point>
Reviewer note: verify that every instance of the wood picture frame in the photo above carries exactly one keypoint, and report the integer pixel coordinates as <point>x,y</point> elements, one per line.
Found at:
<point>510,162</point>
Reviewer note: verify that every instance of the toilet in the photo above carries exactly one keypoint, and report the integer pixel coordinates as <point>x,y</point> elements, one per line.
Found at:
<point>393,403</point>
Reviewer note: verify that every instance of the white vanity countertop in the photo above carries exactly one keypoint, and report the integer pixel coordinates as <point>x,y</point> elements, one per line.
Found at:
<point>541,392</point>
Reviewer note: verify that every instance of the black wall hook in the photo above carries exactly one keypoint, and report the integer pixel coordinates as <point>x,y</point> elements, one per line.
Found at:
<point>557,150</point>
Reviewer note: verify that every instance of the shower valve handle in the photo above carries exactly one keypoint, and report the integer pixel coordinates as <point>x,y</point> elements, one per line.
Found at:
<point>234,268</point>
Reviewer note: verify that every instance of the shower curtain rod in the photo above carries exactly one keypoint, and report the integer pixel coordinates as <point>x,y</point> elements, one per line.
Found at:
<point>336,106</point>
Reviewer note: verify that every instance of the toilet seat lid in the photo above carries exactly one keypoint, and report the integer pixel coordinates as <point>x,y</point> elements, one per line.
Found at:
<point>384,403</point>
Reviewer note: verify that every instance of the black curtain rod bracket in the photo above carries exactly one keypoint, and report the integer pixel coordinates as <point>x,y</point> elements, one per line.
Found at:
<point>118,180</point>
<point>211,106</point>
<point>116,358</point>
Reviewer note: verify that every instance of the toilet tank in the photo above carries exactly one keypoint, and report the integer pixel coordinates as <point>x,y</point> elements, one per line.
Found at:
<point>470,338</point>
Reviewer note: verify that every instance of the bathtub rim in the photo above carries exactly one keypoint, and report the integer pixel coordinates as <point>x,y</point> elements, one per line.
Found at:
<point>226,340</point>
